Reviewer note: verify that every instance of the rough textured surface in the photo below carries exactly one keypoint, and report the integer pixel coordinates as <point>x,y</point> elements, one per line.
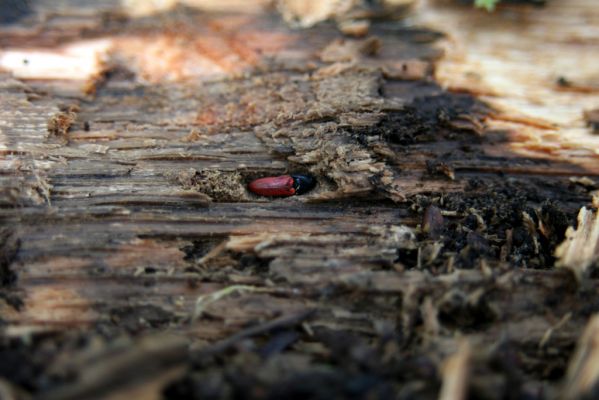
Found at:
<point>134,262</point>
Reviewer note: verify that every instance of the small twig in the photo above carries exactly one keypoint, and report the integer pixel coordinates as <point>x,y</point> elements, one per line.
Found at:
<point>284,321</point>
<point>563,321</point>
<point>213,252</point>
<point>204,301</point>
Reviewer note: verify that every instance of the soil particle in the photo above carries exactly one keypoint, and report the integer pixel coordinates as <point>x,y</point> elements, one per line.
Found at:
<point>135,319</point>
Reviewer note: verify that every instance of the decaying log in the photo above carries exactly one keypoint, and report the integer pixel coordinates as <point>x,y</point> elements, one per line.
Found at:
<point>452,157</point>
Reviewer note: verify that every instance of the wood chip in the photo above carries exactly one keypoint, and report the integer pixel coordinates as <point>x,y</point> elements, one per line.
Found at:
<point>341,50</point>
<point>306,13</point>
<point>580,249</point>
<point>456,371</point>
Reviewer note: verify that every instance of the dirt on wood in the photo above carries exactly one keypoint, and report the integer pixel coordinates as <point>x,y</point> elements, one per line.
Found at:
<point>442,254</point>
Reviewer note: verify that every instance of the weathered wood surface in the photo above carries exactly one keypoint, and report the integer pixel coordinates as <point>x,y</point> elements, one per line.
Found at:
<point>124,202</point>
<point>536,65</point>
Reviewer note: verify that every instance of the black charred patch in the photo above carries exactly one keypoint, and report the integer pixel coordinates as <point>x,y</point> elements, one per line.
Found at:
<point>429,118</point>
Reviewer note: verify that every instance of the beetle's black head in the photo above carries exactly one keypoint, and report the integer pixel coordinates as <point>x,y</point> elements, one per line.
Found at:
<point>303,183</point>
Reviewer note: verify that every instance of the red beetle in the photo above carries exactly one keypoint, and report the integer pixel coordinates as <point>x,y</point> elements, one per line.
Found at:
<point>282,186</point>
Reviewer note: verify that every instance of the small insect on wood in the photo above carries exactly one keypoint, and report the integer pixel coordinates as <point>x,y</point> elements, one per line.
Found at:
<point>282,186</point>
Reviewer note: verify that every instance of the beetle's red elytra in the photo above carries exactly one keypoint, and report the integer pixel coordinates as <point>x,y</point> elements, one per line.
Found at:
<point>282,186</point>
<point>273,186</point>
